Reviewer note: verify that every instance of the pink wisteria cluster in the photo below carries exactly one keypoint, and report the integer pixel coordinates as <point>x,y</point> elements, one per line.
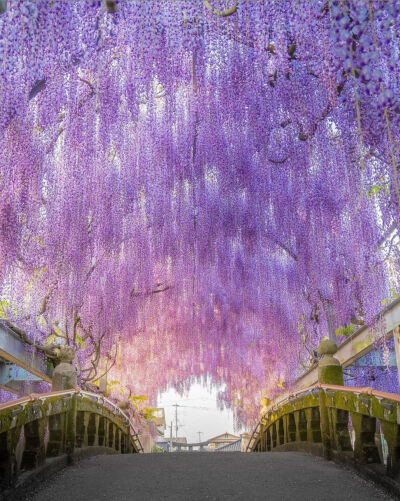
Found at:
<point>190,188</point>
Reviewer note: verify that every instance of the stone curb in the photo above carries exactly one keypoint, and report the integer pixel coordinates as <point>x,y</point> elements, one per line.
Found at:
<point>29,480</point>
<point>371,473</point>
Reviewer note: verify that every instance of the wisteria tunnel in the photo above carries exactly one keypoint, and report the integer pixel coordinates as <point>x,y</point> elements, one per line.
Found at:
<point>198,191</point>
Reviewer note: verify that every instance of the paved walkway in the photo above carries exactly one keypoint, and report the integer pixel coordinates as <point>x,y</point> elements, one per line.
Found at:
<point>206,476</point>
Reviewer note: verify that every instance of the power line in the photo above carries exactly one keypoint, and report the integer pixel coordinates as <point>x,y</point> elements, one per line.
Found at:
<point>190,399</point>
<point>176,420</point>
<point>192,407</point>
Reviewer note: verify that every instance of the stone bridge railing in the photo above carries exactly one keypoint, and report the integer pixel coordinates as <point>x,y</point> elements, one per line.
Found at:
<point>360,426</point>
<point>60,423</point>
<point>332,420</point>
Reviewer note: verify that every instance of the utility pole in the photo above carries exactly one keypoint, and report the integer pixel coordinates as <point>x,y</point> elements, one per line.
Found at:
<point>170,439</point>
<point>176,420</point>
<point>199,432</point>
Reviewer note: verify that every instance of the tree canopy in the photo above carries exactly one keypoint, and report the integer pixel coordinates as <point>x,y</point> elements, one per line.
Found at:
<point>198,188</point>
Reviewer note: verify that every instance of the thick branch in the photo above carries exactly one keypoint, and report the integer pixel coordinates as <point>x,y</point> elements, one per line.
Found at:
<point>93,370</point>
<point>283,246</point>
<point>3,6</point>
<point>53,142</point>
<point>221,13</point>
<point>91,86</point>
<point>91,94</point>
<point>303,136</point>
<point>150,292</point>
<point>110,5</point>
<point>46,350</point>
<point>45,300</point>
<point>38,86</point>
<point>77,319</point>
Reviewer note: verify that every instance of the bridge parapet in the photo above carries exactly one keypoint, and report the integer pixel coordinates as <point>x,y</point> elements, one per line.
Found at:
<point>41,426</point>
<point>355,425</point>
<point>335,421</point>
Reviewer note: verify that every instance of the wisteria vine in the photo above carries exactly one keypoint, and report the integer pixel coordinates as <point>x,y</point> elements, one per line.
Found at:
<point>197,188</point>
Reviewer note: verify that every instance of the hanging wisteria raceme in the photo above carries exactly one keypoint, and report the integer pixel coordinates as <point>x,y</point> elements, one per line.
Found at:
<point>190,189</point>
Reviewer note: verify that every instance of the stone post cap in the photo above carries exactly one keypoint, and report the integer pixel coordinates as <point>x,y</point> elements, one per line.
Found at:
<point>124,405</point>
<point>327,347</point>
<point>66,354</point>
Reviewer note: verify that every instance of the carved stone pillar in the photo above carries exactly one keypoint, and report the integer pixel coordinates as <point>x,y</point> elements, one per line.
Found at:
<point>291,427</point>
<point>34,452</point>
<point>329,369</point>
<point>56,431</point>
<point>65,376</point>
<point>70,432</point>
<point>392,437</point>
<point>111,435</point>
<point>9,465</point>
<point>329,372</point>
<point>365,449</point>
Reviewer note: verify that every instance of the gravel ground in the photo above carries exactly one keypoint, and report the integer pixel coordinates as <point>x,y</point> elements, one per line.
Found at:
<point>206,476</point>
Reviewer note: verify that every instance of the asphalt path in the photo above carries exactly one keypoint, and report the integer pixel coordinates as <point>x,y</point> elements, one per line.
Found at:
<point>206,476</point>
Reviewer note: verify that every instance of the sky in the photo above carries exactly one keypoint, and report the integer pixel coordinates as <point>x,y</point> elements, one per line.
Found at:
<point>197,412</point>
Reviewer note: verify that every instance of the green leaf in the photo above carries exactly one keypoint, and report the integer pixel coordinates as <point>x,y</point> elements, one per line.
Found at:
<point>4,305</point>
<point>148,413</point>
<point>80,341</point>
<point>345,330</point>
<point>139,398</point>
<point>50,339</point>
